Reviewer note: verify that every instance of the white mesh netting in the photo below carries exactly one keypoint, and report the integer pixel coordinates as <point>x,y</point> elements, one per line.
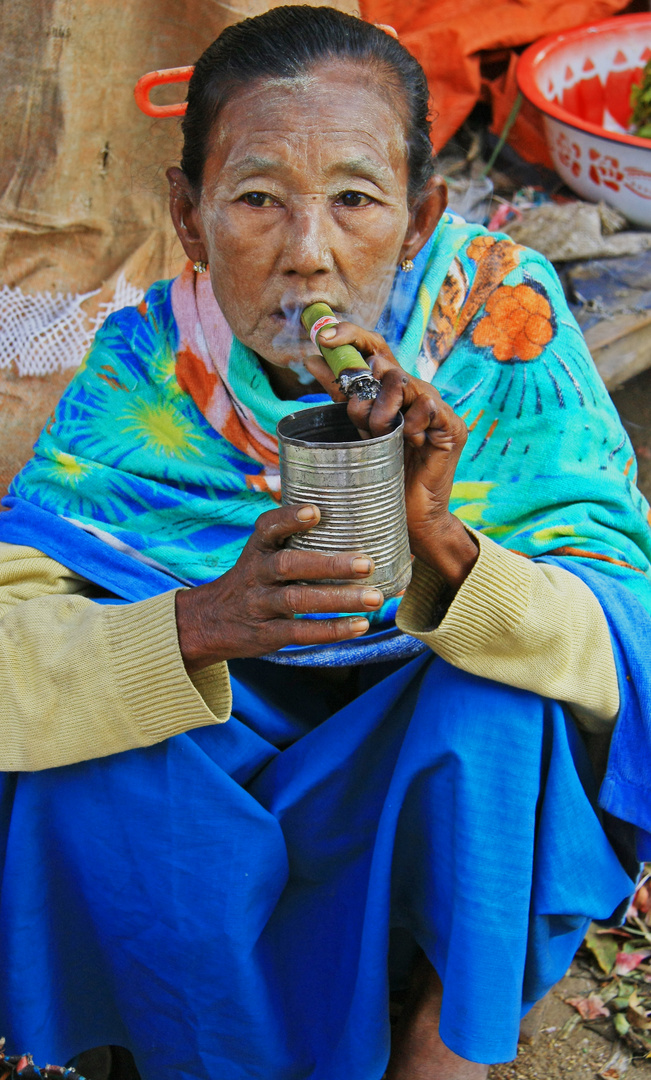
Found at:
<point>41,333</point>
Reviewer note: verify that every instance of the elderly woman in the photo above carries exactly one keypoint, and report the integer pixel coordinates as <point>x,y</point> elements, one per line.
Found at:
<point>387,804</point>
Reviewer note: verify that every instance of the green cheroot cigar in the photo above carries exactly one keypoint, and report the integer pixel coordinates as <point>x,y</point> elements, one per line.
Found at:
<point>349,367</point>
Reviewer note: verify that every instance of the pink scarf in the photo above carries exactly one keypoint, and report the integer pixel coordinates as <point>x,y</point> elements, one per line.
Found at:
<point>202,366</point>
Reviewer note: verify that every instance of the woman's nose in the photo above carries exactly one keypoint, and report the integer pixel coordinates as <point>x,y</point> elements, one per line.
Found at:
<point>308,244</point>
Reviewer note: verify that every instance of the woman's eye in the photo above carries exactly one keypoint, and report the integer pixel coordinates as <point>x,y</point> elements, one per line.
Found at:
<point>258,199</point>
<point>354,198</point>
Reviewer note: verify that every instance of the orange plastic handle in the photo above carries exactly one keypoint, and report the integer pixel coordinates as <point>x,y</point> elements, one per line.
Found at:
<point>146,83</point>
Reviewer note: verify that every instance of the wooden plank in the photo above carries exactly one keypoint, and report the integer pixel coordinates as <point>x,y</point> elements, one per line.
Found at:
<point>622,358</point>
<point>619,326</point>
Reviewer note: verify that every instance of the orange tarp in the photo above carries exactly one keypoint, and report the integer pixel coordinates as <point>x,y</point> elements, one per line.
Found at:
<point>451,39</point>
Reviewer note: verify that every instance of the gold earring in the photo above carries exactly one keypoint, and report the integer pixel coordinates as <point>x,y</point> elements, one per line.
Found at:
<point>200,266</point>
<point>406,266</point>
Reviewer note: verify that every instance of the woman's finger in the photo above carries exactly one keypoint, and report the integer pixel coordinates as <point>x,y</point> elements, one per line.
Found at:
<point>317,367</point>
<point>347,333</point>
<point>359,411</point>
<point>301,599</point>
<point>382,362</point>
<point>275,526</point>
<point>317,631</point>
<point>392,397</point>
<point>291,565</point>
<point>422,416</point>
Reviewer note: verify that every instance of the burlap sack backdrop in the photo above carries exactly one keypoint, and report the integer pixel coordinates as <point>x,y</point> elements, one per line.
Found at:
<point>83,199</point>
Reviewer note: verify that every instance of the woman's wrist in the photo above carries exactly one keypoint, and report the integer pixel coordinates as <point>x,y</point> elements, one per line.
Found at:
<point>449,549</point>
<point>190,629</point>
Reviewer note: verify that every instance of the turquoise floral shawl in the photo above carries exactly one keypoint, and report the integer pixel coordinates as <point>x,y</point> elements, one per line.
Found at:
<point>138,454</point>
<point>161,454</point>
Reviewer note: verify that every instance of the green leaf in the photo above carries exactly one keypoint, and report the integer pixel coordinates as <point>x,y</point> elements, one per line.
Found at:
<point>640,100</point>
<point>621,1002</point>
<point>621,1024</point>
<point>604,948</point>
<point>607,993</point>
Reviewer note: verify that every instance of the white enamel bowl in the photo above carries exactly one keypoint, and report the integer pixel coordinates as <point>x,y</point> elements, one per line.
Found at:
<point>581,81</point>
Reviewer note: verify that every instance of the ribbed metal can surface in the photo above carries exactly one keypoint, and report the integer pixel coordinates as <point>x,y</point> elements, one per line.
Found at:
<point>358,485</point>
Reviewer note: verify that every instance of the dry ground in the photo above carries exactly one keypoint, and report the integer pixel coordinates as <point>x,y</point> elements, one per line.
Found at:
<point>563,1048</point>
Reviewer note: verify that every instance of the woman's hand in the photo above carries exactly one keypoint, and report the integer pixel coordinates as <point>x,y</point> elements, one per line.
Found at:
<point>249,611</point>
<point>434,439</point>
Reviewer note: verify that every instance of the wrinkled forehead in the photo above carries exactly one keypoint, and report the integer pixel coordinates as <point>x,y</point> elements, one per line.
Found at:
<point>336,112</point>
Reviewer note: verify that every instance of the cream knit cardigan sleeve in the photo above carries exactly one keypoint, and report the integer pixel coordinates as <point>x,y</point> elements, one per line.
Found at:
<point>526,624</point>
<point>80,680</point>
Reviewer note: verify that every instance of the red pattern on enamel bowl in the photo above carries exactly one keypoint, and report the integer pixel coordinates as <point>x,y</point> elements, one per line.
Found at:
<point>581,81</point>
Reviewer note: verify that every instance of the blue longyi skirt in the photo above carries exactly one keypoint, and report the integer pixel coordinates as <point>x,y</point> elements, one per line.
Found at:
<point>223,903</point>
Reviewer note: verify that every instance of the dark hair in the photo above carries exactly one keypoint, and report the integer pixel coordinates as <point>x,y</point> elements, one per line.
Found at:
<point>284,43</point>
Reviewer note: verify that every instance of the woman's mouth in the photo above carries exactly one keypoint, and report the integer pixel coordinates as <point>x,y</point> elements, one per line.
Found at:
<point>291,317</point>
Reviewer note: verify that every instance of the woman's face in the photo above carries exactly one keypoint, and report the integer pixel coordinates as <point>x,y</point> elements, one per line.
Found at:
<point>304,198</point>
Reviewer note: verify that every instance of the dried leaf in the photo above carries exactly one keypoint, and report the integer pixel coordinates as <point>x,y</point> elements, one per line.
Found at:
<point>642,898</point>
<point>617,1065</point>
<point>604,948</point>
<point>621,1001</point>
<point>637,1017</point>
<point>628,961</point>
<point>642,930</point>
<point>569,1025</point>
<point>610,991</point>
<point>639,1041</point>
<point>590,1008</point>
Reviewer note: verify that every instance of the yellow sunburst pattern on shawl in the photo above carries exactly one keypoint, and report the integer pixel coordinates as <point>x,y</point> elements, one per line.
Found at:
<point>70,470</point>
<point>469,500</point>
<point>163,366</point>
<point>162,428</point>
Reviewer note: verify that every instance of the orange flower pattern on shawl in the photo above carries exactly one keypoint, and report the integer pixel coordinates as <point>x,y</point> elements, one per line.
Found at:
<point>517,324</point>
<point>457,303</point>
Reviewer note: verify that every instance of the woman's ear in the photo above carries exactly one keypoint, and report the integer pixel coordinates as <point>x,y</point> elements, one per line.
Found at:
<point>185,215</point>
<point>424,217</point>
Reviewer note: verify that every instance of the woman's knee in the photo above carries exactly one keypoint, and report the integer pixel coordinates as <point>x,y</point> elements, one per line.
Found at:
<point>475,714</point>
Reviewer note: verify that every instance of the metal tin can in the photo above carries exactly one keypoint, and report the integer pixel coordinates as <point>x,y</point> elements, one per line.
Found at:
<point>358,485</point>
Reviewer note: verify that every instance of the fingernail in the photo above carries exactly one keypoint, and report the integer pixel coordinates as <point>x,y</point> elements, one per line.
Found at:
<point>361,566</point>
<point>372,597</point>
<point>329,332</point>
<point>306,513</point>
<point>359,626</point>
